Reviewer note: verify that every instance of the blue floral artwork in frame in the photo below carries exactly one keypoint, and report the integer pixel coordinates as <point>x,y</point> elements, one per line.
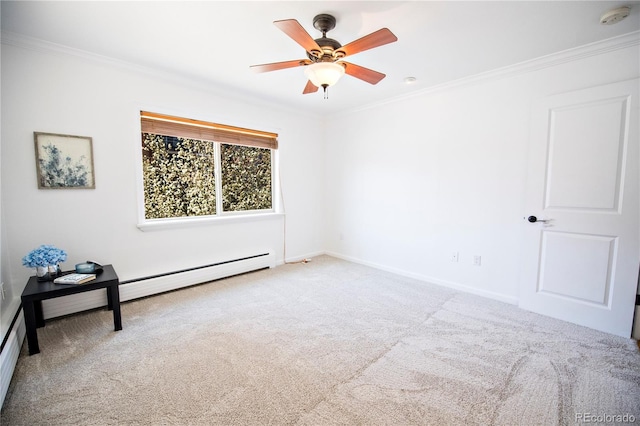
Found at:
<point>64,161</point>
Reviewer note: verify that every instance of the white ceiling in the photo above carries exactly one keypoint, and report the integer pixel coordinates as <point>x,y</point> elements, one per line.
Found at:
<point>215,42</point>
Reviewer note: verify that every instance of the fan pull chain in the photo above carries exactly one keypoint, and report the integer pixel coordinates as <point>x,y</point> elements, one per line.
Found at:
<point>326,94</point>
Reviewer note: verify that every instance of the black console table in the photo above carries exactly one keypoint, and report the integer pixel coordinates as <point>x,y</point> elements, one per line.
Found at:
<point>35,292</point>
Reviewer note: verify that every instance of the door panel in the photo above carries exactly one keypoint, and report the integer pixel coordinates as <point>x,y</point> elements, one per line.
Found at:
<point>581,265</point>
<point>595,132</point>
<point>585,275</point>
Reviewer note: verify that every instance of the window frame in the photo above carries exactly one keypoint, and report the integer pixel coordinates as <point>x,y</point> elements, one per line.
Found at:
<point>221,217</point>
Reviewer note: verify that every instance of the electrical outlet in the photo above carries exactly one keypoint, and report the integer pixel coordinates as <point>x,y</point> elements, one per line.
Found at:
<point>477,260</point>
<point>454,256</point>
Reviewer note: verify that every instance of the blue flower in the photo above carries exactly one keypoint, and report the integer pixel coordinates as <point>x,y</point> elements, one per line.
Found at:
<point>44,255</point>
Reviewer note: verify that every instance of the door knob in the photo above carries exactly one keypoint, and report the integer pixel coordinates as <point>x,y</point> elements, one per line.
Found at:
<point>534,219</point>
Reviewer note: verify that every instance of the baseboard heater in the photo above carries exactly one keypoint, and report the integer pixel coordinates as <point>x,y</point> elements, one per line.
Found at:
<point>155,284</point>
<point>10,351</point>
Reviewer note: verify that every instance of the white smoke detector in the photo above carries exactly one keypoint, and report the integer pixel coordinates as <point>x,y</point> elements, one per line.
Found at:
<point>615,15</point>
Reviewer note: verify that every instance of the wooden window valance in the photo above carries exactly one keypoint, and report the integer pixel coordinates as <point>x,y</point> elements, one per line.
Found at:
<point>168,125</point>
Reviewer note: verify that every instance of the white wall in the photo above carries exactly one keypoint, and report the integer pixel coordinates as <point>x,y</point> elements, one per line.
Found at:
<point>406,184</point>
<point>56,92</point>
<point>413,181</point>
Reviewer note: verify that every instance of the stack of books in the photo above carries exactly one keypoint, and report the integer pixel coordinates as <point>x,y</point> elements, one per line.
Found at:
<point>75,279</point>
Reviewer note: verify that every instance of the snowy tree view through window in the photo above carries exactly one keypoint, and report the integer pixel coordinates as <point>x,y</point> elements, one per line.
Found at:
<point>246,178</point>
<point>181,180</point>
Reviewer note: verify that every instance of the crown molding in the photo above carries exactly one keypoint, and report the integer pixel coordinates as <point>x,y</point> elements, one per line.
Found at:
<point>43,46</point>
<point>588,50</point>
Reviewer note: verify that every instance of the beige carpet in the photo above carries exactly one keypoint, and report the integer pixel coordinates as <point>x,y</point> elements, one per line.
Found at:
<point>323,343</point>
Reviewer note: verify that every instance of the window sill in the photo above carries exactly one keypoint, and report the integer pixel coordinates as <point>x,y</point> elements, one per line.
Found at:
<point>160,224</point>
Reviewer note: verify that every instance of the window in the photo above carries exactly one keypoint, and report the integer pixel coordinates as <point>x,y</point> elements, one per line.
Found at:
<point>246,178</point>
<point>195,168</point>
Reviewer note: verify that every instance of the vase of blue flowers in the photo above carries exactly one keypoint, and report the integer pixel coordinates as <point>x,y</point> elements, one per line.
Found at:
<point>46,260</point>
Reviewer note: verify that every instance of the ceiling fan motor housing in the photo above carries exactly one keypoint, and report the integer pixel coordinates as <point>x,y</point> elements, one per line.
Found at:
<point>324,23</point>
<point>328,46</point>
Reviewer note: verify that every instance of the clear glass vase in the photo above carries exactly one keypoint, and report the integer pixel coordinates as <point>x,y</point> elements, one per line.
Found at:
<point>47,273</point>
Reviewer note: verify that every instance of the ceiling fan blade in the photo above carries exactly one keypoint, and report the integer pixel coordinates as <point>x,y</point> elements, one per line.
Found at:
<point>274,66</point>
<point>364,74</point>
<point>309,88</point>
<point>293,29</point>
<point>379,38</point>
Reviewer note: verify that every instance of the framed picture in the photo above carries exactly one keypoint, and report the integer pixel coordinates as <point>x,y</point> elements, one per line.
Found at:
<point>64,161</point>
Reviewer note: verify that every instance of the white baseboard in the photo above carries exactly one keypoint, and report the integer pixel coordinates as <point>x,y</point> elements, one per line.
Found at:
<point>300,258</point>
<point>456,286</point>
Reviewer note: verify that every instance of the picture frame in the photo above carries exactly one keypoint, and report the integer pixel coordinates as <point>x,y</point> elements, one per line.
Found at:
<point>64,161</point>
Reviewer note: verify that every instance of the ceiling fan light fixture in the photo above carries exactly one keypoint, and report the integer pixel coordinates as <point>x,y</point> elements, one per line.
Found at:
<point>324,74</point>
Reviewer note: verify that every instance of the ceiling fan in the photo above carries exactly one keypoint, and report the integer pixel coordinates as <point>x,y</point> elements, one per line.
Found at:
<point>324,65</point>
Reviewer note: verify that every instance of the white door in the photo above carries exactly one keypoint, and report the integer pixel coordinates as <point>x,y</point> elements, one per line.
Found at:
<point>581,265</point>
